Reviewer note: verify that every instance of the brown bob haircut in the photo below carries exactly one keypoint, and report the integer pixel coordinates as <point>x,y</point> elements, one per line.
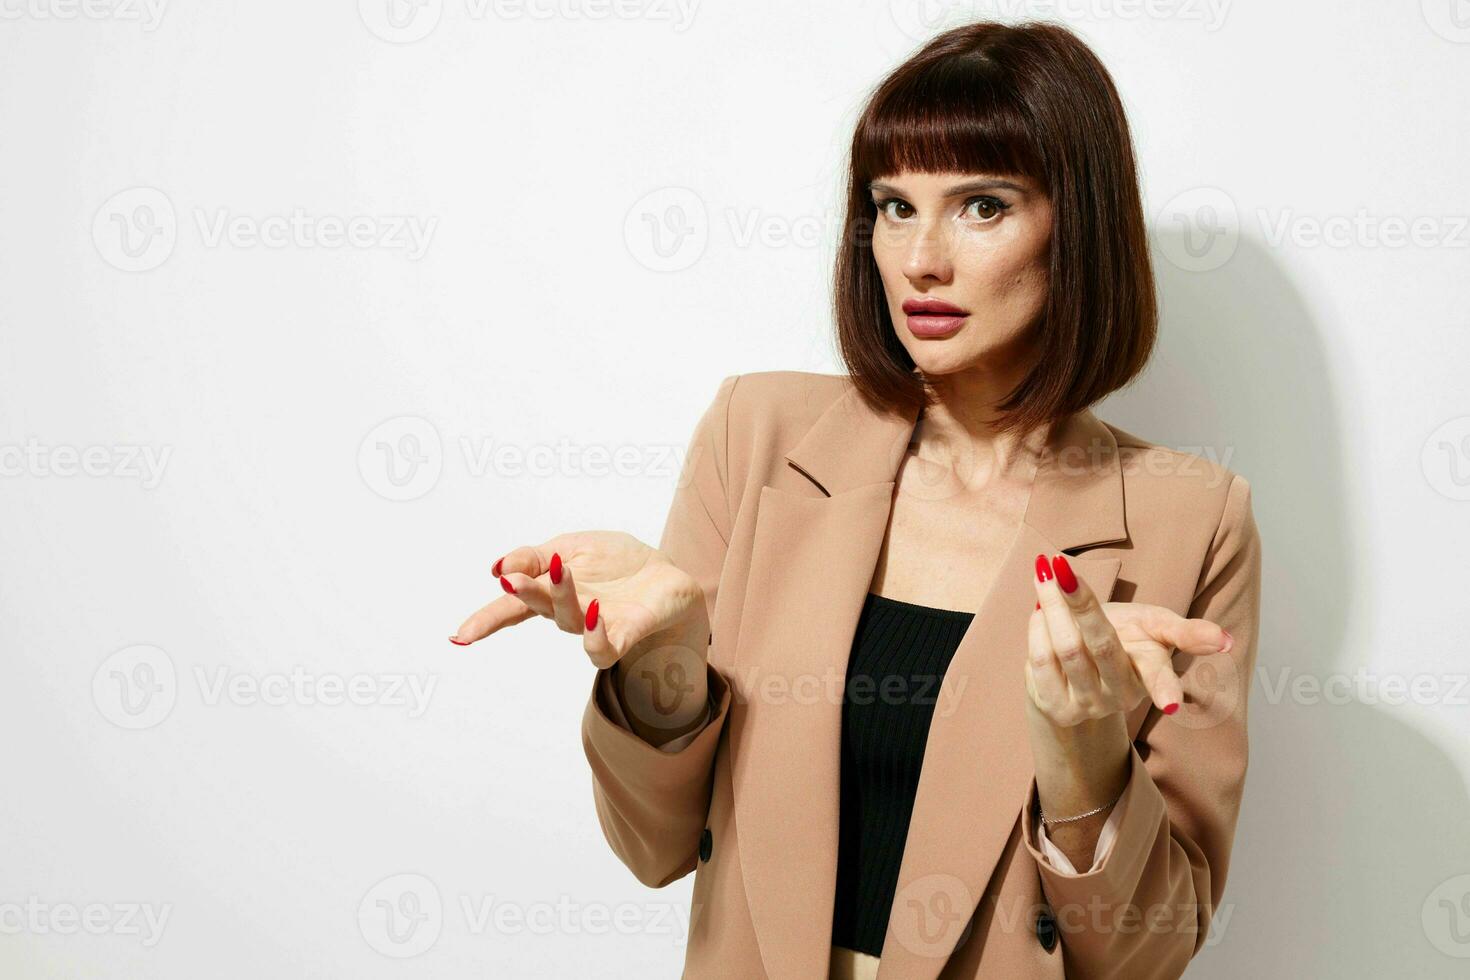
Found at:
<point>1028,99</point>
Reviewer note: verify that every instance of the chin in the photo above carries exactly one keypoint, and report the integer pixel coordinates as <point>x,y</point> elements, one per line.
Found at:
<point>940,357</point>
<point>940,367</point>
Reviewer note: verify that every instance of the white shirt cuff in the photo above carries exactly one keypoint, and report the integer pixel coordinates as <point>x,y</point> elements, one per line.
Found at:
<point>1105,839</point>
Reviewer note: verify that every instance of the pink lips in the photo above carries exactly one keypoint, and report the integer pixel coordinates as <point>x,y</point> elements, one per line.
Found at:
<point>930,317</point>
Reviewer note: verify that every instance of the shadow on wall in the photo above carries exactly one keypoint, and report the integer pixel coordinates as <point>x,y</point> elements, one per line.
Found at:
<point>1351,857</point>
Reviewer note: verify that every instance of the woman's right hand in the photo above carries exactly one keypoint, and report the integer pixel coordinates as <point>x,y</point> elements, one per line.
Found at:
<point>633,607</point>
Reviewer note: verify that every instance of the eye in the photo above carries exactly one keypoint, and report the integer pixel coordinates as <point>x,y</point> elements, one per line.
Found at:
<point>990,208</point>
<point>896,203</point>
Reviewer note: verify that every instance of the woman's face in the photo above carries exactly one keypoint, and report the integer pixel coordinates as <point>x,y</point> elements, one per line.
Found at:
<point>975,248</point>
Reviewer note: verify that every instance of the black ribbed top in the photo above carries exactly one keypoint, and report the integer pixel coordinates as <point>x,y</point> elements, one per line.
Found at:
<point>899,655</point>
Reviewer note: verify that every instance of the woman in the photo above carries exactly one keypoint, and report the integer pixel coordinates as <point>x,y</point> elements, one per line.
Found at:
<point>902,681</point>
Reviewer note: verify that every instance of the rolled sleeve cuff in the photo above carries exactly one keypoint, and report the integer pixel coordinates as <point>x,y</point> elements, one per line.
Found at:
<point>1122,850</point>
<point>607,700</point>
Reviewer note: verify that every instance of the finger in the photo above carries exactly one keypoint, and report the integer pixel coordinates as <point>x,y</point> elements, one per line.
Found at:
<point>610,630</point>
<point>595,641</point>
<point>533,592</point>
<point>503,612</point>
<point>1097,630</point>
<point>526,559</point>
<point>1114,667</point>
<point>566,607</point>
<point>1165,688</point>
<point>1048,683</point>
<point>1066,637</point>
<point>1188,635</point>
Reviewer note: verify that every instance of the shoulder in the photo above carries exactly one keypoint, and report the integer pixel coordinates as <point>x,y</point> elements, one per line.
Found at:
<point>1193,484</point>
<point>794,397</point>
<point>778,407</point>
<point>761,415</point>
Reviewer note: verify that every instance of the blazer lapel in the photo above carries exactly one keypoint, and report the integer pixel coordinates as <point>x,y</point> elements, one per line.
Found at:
<point>812,562</point>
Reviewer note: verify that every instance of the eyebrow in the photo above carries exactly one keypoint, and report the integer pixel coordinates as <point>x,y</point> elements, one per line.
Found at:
<point>956,190</point>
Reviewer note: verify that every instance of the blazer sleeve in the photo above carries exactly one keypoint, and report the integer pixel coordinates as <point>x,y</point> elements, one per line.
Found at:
<point>652,802</point>
<point>1144,908</point>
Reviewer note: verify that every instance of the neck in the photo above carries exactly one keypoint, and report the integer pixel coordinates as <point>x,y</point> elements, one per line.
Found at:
<point>958,432</point>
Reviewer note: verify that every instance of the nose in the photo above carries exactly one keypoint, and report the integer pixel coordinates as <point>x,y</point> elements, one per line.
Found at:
<point>927,259</point>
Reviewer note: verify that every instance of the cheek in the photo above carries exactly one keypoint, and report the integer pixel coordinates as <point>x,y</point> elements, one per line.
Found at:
<point>890,264</point>
<point>1014,271</point>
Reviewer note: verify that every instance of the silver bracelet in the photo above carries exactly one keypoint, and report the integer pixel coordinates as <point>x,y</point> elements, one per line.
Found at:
<point>1079,816</point>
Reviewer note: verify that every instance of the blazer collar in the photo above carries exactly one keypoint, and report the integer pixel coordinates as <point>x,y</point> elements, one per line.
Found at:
<point>1076,501</point>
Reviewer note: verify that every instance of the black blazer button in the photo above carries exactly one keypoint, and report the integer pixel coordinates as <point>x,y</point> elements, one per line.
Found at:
<point>706,844</point>
<point>1046,930</point>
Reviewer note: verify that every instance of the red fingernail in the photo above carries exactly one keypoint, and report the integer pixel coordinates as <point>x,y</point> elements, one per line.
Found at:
<point>459,643</point>
<point>555,568</point>
<point>1038,605</point>
<point>505,584</point>
<point>1065,578</point>
<point>495,569</point>
<point>1169,709</point>
<point>1043,569</point>
<point>592,615</point>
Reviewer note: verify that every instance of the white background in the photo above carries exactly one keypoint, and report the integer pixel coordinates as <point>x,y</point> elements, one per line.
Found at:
<point>551,305</point>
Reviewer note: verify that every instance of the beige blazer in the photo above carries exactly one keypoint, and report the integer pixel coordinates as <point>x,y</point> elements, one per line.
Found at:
<point>780,514</point>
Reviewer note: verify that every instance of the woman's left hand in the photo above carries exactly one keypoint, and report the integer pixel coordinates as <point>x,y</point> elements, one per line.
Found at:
<point>1089,660</point>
